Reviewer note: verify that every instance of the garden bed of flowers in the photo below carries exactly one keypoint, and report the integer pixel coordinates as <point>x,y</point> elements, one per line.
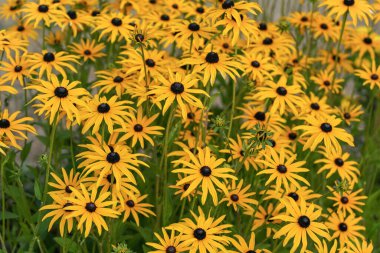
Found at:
<point>170,126</point>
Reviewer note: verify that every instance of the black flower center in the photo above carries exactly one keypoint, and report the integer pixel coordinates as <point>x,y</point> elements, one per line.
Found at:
<point>234,197</point>
<point>116,21</point>
<point>326,83</point>
<point>91,207</point>
<point>272,143</point>
<point>61,92</point>
<point>104,108</point>
<point>212,57</point>
<point>113,157</point>
<point>190,115</point>
<point>367,40</point>
<point>175,6</point>
<point>263,27</point>
<point>138,128</point>
<point>255,64</point>
<point>326,127</point>
<point>349,2</point>
<point>374,77</point>
<point>139,37</point>
<point>304,221</point>
<point>20,28</point>
<point>241,152</point>
<point>95,13</point>
<point>43,8</point>
<point>294,196</point>
<point>251,251</point>
<point>165,17</point>
<point>4,123</point>
<point>199,233</point>
<point>315,106</point>
<point>228,4</point>
<point>171,249</point>
<point>343,227</point>
<point>344,200</point>
<point>281,91</point>
<point>225,45</point>
<point>150,63</point>
<point>260,116</point>
<point>205,171</point>
<point>72,14</point>
<point>304,19</point>
<point>282,168</point>
<point>324,26</point>
<point>67,189</point>
<point>339,162</point>
<point>194,27</point>
<point>268,41</point>
<point>118,79</point>
<point>347,115</point>
<point>152,1</point>
<point>49,57</point>
<point>200,10</point>
<point>18,68</point>
<point>177,88</point>
<point>130,203</point>
<point>87,52</point>
<point>186,186</point>
<point>292,136</point>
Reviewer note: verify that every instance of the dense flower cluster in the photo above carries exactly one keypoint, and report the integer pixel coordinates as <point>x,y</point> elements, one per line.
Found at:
<point>187,126</point>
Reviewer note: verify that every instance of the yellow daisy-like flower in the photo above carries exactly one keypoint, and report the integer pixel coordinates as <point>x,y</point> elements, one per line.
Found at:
<point>316,106</point>
<point>371,76</point>
<point>90,209</point>
<point>64,187</point>
<point>358,9</point>
<point>264,218</point>
<point>138,127</point>
<point>168,244</point>
<point>107,111</point>
<point>326,130</point>
<point>302,224</point>
<point>88,50</point>
<point>348,201</point>
<point>257,66</point>
<point>284,96</point>
<point>43,11</point>
<point>355,246</point>
<point>346,228</point>
<point>243,247</point>
<point>350,112</point>
<point>324,79</point>
<point>178,87</point>
<point>206,234</point>
<point>113,25</point>
<point>13,128</point>
<point>17,69</point>
<point>283,169</point>
<point>47,61</point>
<point>75,20</point>
<point>204,170</point>
<point>114,80</point>
<point>239,197</point>
<point>59,96</point>
<point>57,210</point>
<point>133,205</point>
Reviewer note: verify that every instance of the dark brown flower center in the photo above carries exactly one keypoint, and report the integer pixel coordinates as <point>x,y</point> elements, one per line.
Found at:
<point>104,108</point>
<point>194,27</point>
<point>199,233</point>
<point>255,64</point>
<point>294,196</point>
<point>43,8</point>
<point>326,127</point>
<point>304,221</point>
<point>113,157</point>
<point>177,88</point>
<point>61,92</point>
<point>130,203</point>
<point>116,21</point>
<point>315,106</point>
<point>138,128</point>
<point>72,14</point>
<point>49,57</point>
<point>150,63</point>
<point>260,116</point>
<point>281,91</point>
<point>212,57</point>
<point>268,41</point>
<point>282,168</point>
<point>344,200</point>
<point>18,68</point>
<point>91,207</point>
<point>343,227</point>
<point>205,171</point>
<point>228,4</point>
<point>348,2</point>
<point>339,162</point>
<point>234,197</point>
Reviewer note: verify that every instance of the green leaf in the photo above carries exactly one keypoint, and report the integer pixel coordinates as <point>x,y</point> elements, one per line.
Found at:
<point>68,244</point>
<point>37,190</point>
<point>25,151</point>
<point>8,215</point>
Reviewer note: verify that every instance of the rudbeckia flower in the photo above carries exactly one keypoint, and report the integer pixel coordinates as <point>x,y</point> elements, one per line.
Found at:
<point>44,11</point>
<point>135,206</point>
<point>243,247</point>
<point>371,76</point>
<point>17,69</point>
<point>64,187</point>
<point>168,243</point>
<point>231,9</point>
<point>88,50</point>
<point>239,197</point>
<point>348,202</point>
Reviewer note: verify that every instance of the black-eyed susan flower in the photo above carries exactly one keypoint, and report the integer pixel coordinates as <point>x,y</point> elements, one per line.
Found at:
<point>358,9</point>
<point>325,27</point>
<point>283,169</point>
<point>371,76</point>
<point>263,217</point>
<point>57,96</point>
<point>257,66</point>
<point>204,170</point>
<point>57,211</point>
<point>113,80</point>
<point>74,20</point>
<point>293,192</point>
<point>345,228</point>
<point>210,63</point>
<point>15,128</point>
<point>323,248</point>
<point>324,130</point>
<point>88,50</point>
<point>115,25</point>
<point>324,79</point>
<point>44,11</point>
<point>355,246</point>
<point>335,161</point>
<point>350,112</point>
<point>316,106</point>
<point>167,243</point>
<point>348,202</point>
<point>90,208</point>
<point>179,88</point>
<point>231,9</point>
<point>48,61</point>
<point>273,44</point>
<point>10,9</point>
<point>194,30</point>
<point>285,97</point>
<point>203,233</point>
<point>139,128</point>
<point>243,247</point>
<point>134,206</point>
<point>100,110</point>
<point>302,223</point>
<point>64,187</point>
<point>23,31</point>
<point>239,197</point>
<point>115,160</point>
<point>364,41</point>
<point>17,69</point>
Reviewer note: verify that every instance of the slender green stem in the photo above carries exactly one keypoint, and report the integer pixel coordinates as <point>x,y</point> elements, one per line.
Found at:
<point>2,163</point>
<point>43,36</point>
<point>338,46</point>
<point>232,109</point>
<point>72,154</point>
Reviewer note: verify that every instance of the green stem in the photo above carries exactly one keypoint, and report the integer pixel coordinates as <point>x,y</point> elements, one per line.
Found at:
<point>338,46</point>
<point>72,154</point>
<point>2,163</point>
<point>232,109</point>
